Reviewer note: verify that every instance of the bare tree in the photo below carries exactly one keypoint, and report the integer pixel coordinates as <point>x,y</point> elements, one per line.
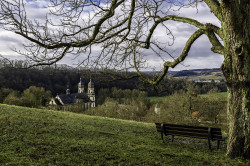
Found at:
<point>125,29</point>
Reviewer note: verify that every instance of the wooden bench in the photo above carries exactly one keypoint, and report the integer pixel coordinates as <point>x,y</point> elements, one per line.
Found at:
<point>209,133</point>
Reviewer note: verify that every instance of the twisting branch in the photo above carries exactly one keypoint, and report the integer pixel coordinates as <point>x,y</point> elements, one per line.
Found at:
<point>166,18</point>
<point>168,64</point>
<point>52,61</point>
<point>217,47</point>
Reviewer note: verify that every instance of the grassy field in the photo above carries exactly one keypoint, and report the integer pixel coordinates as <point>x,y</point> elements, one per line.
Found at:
<point>45,137</point>
<point>222,95</point>
<point>210,76</point>
<point>216,95</point>
<point>155,99</point>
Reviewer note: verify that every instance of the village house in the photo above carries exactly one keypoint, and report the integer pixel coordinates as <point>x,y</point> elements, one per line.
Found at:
<point>86,99</point>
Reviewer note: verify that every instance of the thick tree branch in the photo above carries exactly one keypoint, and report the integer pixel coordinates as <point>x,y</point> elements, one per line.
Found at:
<point>168,64</point>
<point>210,30</point>
<point>217,47</point>
<point>190,21</point>
<point>215,8</point>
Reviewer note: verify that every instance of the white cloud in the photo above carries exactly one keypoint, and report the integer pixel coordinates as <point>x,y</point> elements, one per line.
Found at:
<point>200,55</point>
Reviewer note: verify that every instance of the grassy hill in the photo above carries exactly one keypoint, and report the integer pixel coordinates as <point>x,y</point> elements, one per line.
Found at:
<point>45,137</point>
<point>200,74</point>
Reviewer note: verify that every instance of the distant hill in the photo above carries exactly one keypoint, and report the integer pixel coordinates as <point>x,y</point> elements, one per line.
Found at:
<point>195,72</point>
<point>198,75</point>
<point>201,75</point>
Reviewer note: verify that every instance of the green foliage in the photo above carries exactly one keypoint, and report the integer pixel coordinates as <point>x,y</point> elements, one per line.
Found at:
<point>186,108</point>
<point>4,92</point>
<point>57,79</point>
<point>36,96</point>
<point>220,96</point>
<point>123,104</point>
<point>173,109</point>
<point>31,97</point>
<point>43,137</point>
<point>102,95</point>
<point>13,98</point>
<point>121,96</point>
<point>135,110</point>
<point>156,99</point>
<point>79,107</point>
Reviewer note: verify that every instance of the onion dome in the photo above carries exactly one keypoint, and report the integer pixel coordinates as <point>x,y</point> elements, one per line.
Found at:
<point>91,84</point>
<point>81,83</point>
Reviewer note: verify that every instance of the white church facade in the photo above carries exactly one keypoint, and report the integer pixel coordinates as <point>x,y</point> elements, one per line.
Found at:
<point>85,98</point>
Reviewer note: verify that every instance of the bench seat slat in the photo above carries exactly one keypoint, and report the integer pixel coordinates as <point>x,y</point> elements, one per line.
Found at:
<point>189,136</point>
<point>191,131</point>
<point>195,134</point>
<point>192,128</point>
<point>186,130</point>
<point>185,126</point>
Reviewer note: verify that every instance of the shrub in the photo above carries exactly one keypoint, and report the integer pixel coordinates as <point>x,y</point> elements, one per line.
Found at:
<point>111,108</point>
<point>31,97</point>
<point>36,96</point>
<point>184,108</point>
<point>13,98</point>
<point>4,92</point>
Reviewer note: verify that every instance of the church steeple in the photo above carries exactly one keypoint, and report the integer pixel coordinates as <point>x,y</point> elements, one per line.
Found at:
<point>91,92</point>
<point>80,86</point>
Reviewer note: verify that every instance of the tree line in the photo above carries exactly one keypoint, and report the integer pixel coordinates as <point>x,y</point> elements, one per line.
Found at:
<point>58,79</point>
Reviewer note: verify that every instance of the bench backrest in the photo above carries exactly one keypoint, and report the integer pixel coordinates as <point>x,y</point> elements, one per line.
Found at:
<point>189,131</point>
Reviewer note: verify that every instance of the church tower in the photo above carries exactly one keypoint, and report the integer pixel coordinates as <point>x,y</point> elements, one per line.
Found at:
<point>80,86</point>
<point>91,93</point>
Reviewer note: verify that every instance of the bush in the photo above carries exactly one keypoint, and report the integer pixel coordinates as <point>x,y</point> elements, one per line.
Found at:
<point>4,92</point>
<point>31,97</point>
<point>176,109</point>
<point>111,108</point>
<point>13,99</point>
<point>36,96</point>
<point>184,108</point>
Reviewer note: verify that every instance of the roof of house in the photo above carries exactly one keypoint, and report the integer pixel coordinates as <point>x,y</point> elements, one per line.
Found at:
<point>71,98</point>
<point>57,101</point>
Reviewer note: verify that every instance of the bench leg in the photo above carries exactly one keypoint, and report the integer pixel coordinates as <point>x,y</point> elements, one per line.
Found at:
<point>162,137</point>
<point>172,138</point>
<point>218,144</point>
<point>209,144</point>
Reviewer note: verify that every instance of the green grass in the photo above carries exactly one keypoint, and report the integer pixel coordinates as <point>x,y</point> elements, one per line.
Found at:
<point>46,137</point>
<point>155,99</point>
<point>211,76</point>
<point>216,95</point>
<point>222,95</point>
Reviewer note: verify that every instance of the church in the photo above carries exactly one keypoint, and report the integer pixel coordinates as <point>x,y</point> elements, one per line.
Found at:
<point>87,99</point>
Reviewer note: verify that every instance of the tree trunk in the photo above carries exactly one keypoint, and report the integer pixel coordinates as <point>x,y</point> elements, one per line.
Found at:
<point>236,68</point>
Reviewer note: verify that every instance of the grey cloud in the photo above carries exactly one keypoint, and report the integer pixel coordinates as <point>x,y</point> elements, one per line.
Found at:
<point>200,55</point>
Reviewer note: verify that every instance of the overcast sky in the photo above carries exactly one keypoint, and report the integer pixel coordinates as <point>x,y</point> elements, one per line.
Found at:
<point>199,57</point>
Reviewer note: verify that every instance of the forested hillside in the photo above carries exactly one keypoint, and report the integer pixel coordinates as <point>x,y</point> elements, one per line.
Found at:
<point>57,80</point>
